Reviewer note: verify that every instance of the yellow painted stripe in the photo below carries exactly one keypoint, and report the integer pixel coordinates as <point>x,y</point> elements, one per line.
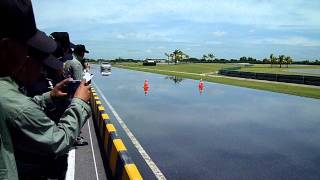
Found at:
<point>105,116</point>
<point>131,172</point>
<point>100,108</point>
<point>98,102</point>
<point>96,113</point>
<point>100,111</point>
<point>95,99</point>
<point>110,128</point>
<point>117,146</point>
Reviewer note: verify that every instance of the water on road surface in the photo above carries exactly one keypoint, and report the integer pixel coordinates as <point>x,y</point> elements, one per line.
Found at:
<point>226,132</point>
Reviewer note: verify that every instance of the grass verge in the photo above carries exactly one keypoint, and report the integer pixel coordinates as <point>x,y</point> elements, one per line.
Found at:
<point>263,68</point>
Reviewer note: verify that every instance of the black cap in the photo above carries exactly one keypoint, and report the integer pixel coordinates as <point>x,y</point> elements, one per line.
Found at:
<point>63,39</point>
<point>80,48</point>
<point>17,21</point>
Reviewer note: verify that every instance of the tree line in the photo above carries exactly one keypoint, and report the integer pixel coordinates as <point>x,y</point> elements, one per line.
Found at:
<point>178,56</point>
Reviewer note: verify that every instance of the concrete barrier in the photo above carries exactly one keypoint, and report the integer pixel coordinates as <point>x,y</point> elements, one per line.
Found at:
<point>119,161</point>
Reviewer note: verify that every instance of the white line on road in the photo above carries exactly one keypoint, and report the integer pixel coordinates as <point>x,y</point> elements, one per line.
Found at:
<point>93,156</point>
<point>71,164</point>
<point>156,171</point>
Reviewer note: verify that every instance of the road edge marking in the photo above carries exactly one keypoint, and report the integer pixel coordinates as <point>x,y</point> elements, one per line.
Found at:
<point>71,164</point>
<point>93,155</point>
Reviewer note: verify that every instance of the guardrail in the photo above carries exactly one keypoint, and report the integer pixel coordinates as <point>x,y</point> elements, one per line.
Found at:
<point>119,162</point>
<point>297,79</point>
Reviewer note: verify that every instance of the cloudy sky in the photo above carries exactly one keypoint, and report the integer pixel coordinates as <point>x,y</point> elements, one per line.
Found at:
<point>148,28</point>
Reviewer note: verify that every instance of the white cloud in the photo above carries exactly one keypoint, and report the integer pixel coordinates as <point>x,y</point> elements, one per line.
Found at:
<point>120,36</point>
<point>249,12</point>
<point>148,51</point>
<point>184,23</point>
<point>213,42</point>
<point>194,45</point>
<point>144,36</point>
<point>219,33</point>
<point>291,41</point>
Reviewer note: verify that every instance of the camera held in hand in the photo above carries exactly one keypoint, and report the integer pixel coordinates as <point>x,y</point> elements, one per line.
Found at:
<point>72,87</point>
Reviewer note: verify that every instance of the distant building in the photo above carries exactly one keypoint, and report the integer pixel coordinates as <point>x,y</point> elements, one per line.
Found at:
<point>149,62</point>
<point>245,64</point>
<point>156,60</point>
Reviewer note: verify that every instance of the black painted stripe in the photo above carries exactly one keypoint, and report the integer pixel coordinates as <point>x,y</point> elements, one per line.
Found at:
<point>122,159</point>
<point>112,136</point>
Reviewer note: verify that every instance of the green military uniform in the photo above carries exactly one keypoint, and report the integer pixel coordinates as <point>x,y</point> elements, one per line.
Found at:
<point>73,68</point>
<point>7,160</point>
<point>35,136</point>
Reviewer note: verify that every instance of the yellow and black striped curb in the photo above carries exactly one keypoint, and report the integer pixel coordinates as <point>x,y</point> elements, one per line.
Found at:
<point>119,161</point>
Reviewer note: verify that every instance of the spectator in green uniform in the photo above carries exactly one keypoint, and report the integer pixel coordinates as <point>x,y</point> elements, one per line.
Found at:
<point>18,30</point>
<point>79,52</point>
<point>35,137</point>
<point>53,72</point>
<point>63,52</point>
<point>74,68</point>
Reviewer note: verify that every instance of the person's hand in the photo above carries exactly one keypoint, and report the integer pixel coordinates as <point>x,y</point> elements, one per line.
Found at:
<point>57,91</point>
<point>83,91</point>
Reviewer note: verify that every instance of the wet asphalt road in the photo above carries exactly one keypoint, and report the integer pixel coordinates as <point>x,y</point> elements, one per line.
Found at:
<point>226,132</point>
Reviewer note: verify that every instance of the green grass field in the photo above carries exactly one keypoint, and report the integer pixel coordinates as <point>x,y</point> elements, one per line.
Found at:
<point>199,68</point>
<point>195,71</point>
<point>266,68</point>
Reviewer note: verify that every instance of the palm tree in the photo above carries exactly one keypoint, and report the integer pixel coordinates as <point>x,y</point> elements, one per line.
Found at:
<point>288,60</point>
<point>281,60</point>
<point>168,55</point>
<point>178,55</point>
<point>172,56</point>
<point>273,59</point>
<point>186,57</point>
<point>205,57</point>
<point>182,56</point>
<point>211,56</point>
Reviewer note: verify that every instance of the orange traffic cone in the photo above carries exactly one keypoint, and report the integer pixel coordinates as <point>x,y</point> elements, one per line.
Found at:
<point>146,87</point>
<point>201,86</point>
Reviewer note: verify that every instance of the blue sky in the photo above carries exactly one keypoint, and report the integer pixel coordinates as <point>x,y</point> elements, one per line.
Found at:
<point>148,28</point>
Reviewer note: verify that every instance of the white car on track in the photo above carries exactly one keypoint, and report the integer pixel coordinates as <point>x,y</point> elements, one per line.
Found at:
<point>105,68</point>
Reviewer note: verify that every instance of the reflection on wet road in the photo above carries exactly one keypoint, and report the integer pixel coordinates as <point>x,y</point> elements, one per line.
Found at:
<point>226,132</point>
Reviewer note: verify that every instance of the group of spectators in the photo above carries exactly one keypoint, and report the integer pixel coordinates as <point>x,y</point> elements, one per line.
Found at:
<point>39,120</point>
